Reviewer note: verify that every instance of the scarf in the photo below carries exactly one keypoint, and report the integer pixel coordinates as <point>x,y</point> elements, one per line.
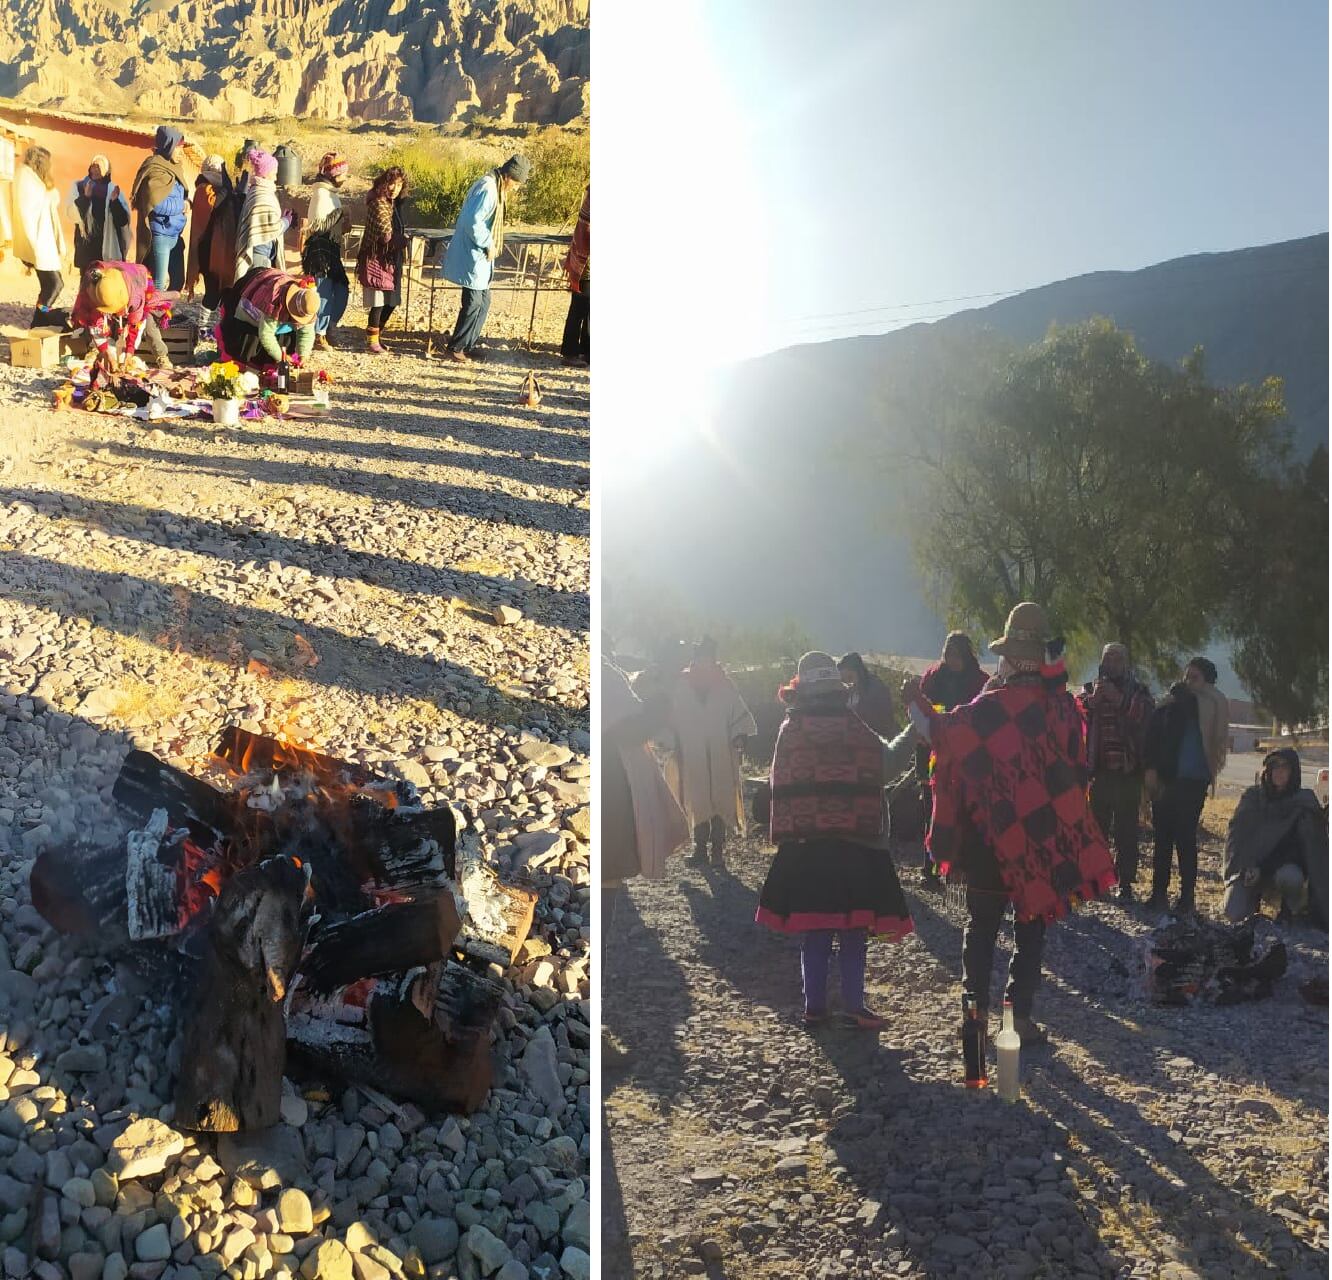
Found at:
<point>827,778</point>
<point>1011,764</point>
<point>153,183</point>
<point>261,216</point>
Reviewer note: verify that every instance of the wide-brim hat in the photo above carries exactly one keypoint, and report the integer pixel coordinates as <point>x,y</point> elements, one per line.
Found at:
<point>109,292</point>
<point>1025,634</point>
<point>303,303</point>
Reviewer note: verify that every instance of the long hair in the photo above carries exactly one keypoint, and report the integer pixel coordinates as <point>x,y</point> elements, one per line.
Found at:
<point>379,187</point>
<point>38,159</point>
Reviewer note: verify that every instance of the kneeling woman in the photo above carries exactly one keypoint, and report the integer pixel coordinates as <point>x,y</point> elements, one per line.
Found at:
<point>833,875</point>
<point>266,315</point>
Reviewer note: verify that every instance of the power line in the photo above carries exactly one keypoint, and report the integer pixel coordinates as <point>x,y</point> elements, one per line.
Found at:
<point>831,322</point>
<point>1180,277</point>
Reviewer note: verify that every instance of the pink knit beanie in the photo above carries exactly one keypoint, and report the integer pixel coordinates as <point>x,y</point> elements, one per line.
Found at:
<point>263,164</point>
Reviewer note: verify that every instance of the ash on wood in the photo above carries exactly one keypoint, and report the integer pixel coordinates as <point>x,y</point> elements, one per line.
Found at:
<point>313,907</point>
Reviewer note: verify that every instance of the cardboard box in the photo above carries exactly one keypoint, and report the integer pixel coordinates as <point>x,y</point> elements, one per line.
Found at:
<point>303,384</point>
<point>76,344</point>
<point>39,349</point>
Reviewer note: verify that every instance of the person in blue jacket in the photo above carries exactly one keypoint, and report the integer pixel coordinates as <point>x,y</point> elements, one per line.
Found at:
<point>478,241</point>
<point>159,198</point>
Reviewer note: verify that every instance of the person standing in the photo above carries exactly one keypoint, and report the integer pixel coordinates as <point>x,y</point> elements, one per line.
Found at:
<point>322,256</point>
<point>833,877</point>
<point>379,262</point>
<point>475,248</point>
<point>211,189</point>
<point>871,699</point>
<point>576,347</point>
<point>101,217</point>
<point>39,237</point>
<point>1117,710</point>
<point>1277,840</point>
<point>708,725</point>
<point>951,682</point>
<point>1187,739</point>
<point>263,225</point>
<point>158,197</point>
<point>1011,817</point>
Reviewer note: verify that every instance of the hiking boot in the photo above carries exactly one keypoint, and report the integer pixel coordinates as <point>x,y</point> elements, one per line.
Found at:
<point>865,1019</point>
<point>322,343</point>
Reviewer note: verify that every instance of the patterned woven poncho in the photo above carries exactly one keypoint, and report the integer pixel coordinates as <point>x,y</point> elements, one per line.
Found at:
<point>1013,763</point>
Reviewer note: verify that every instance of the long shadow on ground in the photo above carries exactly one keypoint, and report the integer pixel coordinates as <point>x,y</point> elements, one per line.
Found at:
<point>239,543</point>
<point>208,627</point>
<point>491,505</point>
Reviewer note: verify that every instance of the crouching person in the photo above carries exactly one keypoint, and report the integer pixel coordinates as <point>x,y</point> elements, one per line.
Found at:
<point>265,316</point>
<point>118,302</point>
<point>1277,844</point>
<point>833,876</point>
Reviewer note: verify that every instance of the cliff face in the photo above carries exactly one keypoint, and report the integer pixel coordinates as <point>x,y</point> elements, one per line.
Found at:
<point>429,60</point>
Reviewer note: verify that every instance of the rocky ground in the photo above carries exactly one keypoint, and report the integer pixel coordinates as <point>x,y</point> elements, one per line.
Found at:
<point>1149,1143</point>
<point>403,583</point>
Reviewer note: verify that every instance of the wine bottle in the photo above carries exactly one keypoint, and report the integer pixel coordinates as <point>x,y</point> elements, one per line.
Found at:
<point>1008,1046</point>
<point>973,1044</point>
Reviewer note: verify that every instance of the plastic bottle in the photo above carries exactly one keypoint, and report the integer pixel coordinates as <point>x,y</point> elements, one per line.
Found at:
<point>973,1044</point>
<point>1008,1047</point>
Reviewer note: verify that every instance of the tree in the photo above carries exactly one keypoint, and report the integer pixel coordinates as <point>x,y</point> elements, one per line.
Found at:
<point>1106,486</point>
<point>1278,609</point>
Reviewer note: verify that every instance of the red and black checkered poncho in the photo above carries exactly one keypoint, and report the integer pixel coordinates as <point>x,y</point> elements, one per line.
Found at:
<point>1013,763</point>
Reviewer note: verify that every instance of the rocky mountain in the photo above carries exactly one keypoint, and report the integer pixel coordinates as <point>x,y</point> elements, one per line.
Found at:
<point>234,60</point>
<point>794,517</point>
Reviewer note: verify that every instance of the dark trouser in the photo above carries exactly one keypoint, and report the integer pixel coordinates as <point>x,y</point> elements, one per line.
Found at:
<point>379,316</point>
<point>717,830</point>
<point>986,903</point>
<point>471,319</point>
<point>1115,801</point>
<point>815,958</point>
<point>50,284</point>
<point>1175,814</point>
<point>577,327</point>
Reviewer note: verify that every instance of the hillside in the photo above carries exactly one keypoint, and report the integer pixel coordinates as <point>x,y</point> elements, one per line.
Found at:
<point>517,61</point>
<point>811,510</point>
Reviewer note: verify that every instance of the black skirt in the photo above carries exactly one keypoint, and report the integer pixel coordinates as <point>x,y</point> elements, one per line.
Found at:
<point>833,884</point>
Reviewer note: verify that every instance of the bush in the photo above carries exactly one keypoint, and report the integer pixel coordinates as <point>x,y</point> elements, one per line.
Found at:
<point>439,171</point>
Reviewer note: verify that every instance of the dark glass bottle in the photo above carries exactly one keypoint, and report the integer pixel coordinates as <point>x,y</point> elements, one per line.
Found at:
<point>283,374</point>
<point>973,1044</point>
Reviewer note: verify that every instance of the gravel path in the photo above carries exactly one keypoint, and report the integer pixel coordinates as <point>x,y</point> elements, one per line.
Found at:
<point>1150,1142</point>
<point>340,580</point>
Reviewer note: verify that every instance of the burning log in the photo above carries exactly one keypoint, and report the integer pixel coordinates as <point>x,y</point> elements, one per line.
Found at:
<point>235,1044</point>
<point>214,885</point>
<point>425,1037</point>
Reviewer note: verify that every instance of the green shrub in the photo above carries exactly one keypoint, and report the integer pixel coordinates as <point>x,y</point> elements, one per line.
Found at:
<point>439,171</point>
<point>560,167</point>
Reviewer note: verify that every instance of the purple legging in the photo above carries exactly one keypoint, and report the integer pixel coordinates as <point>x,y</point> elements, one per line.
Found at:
<point>815,955</point>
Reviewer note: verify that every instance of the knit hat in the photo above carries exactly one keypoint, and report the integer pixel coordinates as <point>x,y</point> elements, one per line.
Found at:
<point>516,167</point>
<point>102,163</point>
<point>107,291</point>
<point>333,164</point>
<point>1025,634</point>
<point>262,162</point>
<point>302,302</point>
<point>817,673</point>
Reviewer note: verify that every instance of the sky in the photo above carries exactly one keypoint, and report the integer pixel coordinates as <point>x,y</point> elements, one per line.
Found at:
<point>792,172</point>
